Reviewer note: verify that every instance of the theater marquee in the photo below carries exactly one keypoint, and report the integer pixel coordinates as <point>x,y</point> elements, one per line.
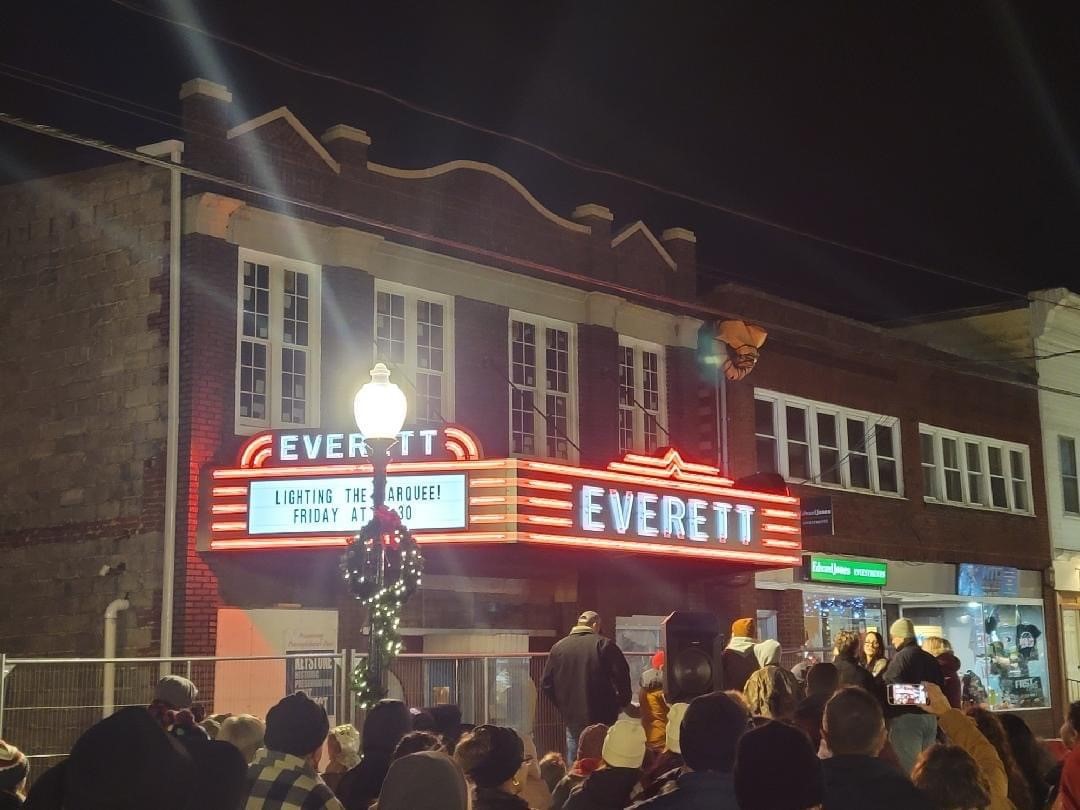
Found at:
<point>311,489</point>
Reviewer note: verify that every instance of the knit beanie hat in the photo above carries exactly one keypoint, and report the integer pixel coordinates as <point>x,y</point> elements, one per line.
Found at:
<point>296,725</point>
<point>759,752</point>
<point>505,753</point>
<point>658,660</point>
<point>178,692</point>
<point>624,744</point>
<point>710,733</point>
<point>14,766</point>
<point>386,723</point>
<point>902,628</point>
<point>591,742</point>
<point>746,628</point>
<point>675,715</point>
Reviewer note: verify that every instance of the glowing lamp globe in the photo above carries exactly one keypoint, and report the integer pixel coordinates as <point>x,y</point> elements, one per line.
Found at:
<point>380,406</point>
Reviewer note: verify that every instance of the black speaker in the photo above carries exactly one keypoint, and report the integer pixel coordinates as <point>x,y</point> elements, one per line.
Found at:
<point>692,647</point>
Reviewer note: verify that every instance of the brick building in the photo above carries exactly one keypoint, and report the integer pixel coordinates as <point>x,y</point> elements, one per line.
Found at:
<point>536,350</point>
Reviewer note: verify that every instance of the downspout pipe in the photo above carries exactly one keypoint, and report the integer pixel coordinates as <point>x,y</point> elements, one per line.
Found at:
<point>174,149</point>
<point>108,680</point>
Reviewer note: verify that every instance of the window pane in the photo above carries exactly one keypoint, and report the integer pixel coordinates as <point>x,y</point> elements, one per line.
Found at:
<point>798,447</point>
<point>650,382</point>
<point>929,481</point>
<point>1067,448</point>
<point>883,441</point>
<point>926,444</point>
<point>523,418</point>
<point>524,354</point>
<point>557,426</point>
<point>998,490</point>
<point>626,376</point>
<point>293,385</point>
<point>1070,483</point>
<point>996,467</point>
<point>558,361</point>
<point>950,458</point>
<point>858,460</point>
<point>973,456</point>
<point>860,471</point>
<point>826,428</point>
<point>626,430</point>
<point>953,489</point>
<point>828,449</point>
<point>886,475</point>
<point>830,466</point>
<point>766,455</point>
<point>1018,470</point>
<point>390,327</point>
<point>949,455</point>
<point>763,418</point>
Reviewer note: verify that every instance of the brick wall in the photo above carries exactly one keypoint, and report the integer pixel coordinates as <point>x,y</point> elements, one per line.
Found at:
<point>83,351</point>
<point>598,394</point>
<point>348,314</point>
<point>482,372</point>
<point>207,390</point>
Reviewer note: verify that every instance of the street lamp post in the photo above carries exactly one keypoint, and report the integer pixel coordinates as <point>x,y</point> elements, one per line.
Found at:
<point>379,409</point>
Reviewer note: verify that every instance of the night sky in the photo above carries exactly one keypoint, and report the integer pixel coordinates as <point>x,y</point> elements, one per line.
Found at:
<point>942,134</point>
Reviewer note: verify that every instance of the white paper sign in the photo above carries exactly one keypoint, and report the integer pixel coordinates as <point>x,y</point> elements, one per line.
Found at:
<point>306,505</point>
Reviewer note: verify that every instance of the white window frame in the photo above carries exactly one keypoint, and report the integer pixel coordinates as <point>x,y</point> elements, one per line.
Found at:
<point>1075,478</point>
<point>405,374</point>
<point>842,414</point>
<point>639,347</point>
<point>984,443</point>
<point>540,324</point>
<point>275,342</point>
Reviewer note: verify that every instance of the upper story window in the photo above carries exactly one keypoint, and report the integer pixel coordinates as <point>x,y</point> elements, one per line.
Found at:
<point>1069,482</point>
<point>277,370</point>
<point>827,445</point>
<point>543,393</point>
<point>414,337</point>
<point>975,471</point>
<point>642,396</point>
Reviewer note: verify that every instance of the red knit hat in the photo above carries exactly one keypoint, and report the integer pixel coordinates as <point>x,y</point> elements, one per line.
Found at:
<point>658,660</point>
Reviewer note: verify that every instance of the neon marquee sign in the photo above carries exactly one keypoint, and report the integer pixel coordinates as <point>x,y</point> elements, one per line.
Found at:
<point>286,486</point>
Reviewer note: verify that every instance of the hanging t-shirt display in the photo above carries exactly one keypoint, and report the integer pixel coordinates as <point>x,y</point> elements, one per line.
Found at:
<point>1026,637</point>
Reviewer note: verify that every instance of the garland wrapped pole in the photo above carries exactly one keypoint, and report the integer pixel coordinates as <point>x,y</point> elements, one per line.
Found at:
<point>382,567</point>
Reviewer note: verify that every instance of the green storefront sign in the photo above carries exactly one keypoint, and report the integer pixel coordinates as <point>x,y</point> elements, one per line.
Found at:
<point>849,572</point>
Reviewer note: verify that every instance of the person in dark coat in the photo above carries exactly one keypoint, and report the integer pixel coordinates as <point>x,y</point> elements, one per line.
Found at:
<point>589,752</point>
<point>942,651</point>
<point>709,736</point>
<point>738,660</point>
<point>587,679</point>
<point>855,779</point>
<point>846,661</point>
<point>911,730</point>
<point>386,723</point>
<point>609,786</point>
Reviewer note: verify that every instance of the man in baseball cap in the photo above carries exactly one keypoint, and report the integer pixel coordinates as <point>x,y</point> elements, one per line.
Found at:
<point>587,678</point>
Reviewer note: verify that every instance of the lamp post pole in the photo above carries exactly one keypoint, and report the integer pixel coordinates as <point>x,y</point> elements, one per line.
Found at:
<point>379,409</point>
<point>379,450</point>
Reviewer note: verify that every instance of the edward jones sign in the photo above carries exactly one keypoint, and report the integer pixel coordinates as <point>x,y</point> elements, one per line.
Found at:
<point>850,572</point>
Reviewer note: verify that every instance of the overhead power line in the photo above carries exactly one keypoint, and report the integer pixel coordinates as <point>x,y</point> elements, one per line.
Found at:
<point>707,312</point>
<point>577,163</point>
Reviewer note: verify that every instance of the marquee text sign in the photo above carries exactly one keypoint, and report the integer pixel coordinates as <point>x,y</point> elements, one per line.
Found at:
<point>311,489</point>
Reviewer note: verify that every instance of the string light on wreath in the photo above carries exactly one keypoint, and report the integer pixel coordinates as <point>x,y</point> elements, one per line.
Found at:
<point>384,542</point>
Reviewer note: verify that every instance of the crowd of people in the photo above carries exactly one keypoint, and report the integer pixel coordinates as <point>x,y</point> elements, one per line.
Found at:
<point>821,737</point>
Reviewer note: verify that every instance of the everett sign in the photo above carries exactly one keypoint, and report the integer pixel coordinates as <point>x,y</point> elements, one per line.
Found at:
<point>647,514</point>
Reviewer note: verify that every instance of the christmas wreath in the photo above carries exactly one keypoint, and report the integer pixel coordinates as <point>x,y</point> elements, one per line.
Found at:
<point>386,541</point>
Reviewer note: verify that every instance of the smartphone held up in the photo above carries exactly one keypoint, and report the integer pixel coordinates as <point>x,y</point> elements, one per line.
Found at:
<point>907,694</point>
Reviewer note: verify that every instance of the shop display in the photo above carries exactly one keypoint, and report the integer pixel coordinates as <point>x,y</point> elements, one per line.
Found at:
<point>1001,649</point>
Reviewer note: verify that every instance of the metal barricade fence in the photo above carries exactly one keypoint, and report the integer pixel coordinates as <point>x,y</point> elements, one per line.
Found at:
<point>47,703</point>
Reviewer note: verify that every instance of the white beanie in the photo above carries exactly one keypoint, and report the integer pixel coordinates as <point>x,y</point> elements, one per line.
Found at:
<point>675,716</point>
<point>624,745</point>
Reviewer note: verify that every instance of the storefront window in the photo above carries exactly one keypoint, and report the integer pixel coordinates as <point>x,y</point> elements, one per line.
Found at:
<point>1002,650</point>
<point>827,613</point>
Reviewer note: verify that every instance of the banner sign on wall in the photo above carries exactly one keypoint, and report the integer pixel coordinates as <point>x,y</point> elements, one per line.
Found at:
<point>816,516</point>
<point>313,673</point>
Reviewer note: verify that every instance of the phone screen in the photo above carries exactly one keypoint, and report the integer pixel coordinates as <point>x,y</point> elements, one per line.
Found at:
<point>907,694</point>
